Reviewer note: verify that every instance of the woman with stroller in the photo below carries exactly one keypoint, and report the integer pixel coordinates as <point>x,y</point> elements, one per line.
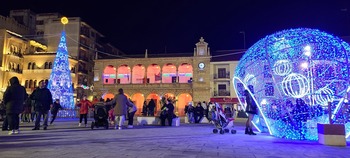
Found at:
<point>84,105</point>
<point>251,109</point>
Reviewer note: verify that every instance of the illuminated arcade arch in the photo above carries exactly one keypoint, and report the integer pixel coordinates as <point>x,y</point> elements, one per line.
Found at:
<point>185,73</point>
<point>138,74</point>
<point>124,74</point>
<point>182,101</point>
<point>138,100</point>
<point>156,99</point>
<point>154,74</point>
<point>109,75</point>
<point>108,96</point>
<point>169,74</point>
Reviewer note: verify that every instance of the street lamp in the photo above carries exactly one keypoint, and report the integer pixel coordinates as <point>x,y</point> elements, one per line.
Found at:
<point>242,32</point>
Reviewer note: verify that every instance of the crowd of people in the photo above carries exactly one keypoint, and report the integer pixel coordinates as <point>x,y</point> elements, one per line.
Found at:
<point>17,106</point>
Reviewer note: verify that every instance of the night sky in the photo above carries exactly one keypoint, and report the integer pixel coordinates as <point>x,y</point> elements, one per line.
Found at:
<point>174,26</point>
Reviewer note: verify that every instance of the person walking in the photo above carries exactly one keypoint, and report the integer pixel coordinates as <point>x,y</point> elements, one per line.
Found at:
<point>120,104</point>
<point>54,110</point>
<point>251,109</point>
<point>42,99</point>
<point>167,112</point>
<point>14,97</point>
<point>84,105</point>
<point>131,113</point>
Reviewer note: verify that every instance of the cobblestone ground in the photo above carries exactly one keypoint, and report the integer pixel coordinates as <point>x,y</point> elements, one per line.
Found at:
<point>66,139</point>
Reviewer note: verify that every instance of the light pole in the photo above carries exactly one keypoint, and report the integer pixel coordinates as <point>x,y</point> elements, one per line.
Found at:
<point>242,32</point>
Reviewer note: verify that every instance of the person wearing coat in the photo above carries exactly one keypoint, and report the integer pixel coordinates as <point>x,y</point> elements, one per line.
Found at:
<point>120,103</point>
<point>54,110</point>
<point>251,109</point>
<point>167,113</point>
<point>84,105</point>
<point>14,97</point>
<point>42,100</point>
<point>131,113</point>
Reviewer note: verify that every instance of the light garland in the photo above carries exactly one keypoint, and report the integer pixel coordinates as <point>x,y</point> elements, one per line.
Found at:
<point>275,62</point>
<point>295,85</point>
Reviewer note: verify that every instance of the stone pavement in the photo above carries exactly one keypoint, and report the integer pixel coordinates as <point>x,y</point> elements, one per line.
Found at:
<point>66,139</point>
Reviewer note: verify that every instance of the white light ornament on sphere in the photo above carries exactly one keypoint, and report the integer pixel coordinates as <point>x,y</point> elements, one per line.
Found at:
<point>249,79</point>
<point>323,96</point>
<point>295,85</point>
<point>282,67</point>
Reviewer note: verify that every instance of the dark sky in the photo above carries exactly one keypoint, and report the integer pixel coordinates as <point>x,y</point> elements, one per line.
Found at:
<point>176,25</point>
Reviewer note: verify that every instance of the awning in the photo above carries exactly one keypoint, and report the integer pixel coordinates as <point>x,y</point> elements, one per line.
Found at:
<point>224,100</point>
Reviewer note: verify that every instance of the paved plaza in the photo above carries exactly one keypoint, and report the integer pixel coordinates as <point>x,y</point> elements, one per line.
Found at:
<point>66,139</point>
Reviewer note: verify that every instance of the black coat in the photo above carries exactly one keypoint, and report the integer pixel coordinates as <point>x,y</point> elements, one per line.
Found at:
<point>55,108</point>
<point>14,97</point>
<point>42,97</point>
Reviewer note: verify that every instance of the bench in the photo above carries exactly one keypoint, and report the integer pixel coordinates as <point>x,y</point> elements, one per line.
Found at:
<point>155,120</point>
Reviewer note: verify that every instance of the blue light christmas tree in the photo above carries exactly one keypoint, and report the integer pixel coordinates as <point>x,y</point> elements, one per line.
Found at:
<point>60,83</point>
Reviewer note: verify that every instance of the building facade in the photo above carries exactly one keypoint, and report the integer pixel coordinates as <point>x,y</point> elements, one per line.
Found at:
<point>183,78</point>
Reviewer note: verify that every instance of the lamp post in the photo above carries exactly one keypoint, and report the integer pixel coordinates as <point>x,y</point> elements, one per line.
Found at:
<point>242,32</point>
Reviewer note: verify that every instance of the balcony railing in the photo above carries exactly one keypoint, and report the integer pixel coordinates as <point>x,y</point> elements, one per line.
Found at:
<point>17,54</point>
<point>222,93</point>
<point>222,76</point>
<point>148,86</point>
<point>20,71</point>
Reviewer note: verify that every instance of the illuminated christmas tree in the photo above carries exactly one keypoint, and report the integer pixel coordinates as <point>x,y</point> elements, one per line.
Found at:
<point>60,83</point>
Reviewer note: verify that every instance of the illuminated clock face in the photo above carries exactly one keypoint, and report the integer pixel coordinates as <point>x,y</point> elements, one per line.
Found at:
<point>201,65</point>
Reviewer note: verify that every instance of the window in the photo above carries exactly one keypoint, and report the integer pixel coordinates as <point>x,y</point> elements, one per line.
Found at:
<point>221,72</point>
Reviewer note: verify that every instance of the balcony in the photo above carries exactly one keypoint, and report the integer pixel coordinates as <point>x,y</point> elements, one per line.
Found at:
<point>20,71</point>
<point>37,71</point>
<point>222,93</point>
<point>147,86</point>
<point>17,54</point>
<point>222,76</point>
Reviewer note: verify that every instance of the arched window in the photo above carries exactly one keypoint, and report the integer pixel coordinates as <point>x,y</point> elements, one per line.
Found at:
<point>26,84</point>
<point>46,66</point>
<point>33,66</point>
<point>138,74</point>
<point>50,65</point>
<point>153,74</point>
<point>30,83</point>
<point>29,65</point>
<point>35,85</point>
<point>185,73</point>
<point>123,74</point>
<point>169,74</point>
<point>109,75</point>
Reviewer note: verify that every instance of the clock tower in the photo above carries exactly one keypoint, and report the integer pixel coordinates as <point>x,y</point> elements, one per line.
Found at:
<point>201,71</point>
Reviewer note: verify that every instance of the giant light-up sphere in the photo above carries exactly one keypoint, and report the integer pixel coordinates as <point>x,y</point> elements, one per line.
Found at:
<point>301,65</point>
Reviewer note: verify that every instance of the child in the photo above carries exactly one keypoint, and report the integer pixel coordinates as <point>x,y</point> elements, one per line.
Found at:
<point>54,110</point>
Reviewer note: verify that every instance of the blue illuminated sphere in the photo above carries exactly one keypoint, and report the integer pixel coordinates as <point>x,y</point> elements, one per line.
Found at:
<point>293,75</point>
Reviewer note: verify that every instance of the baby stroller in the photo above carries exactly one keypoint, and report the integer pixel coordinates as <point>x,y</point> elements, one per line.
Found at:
<point>100,117</point>
<point>221,123</point>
